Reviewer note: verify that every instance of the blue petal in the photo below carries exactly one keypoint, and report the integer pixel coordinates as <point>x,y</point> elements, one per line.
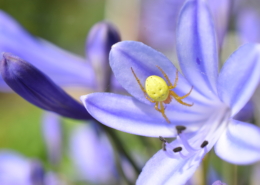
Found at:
<point>127,114</point>
<point>240,76</point>
<point>38,89</point>
<point>143,60</point>
<point>63,67</point>
<point>246,114</point>
<point>196,47</point>
<point>220,11</point>
<point>159,31</point>
<point>100,39</point>
<point>16,168</point>
<point>92,155</point>
<point>162,169</point>
<point>52,134</point>
<point>240,143</point>
<point>248,26</point>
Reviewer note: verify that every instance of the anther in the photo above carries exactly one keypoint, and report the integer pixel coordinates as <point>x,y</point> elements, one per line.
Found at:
<point>177,149</point>
<point>163,143</point>
<point>180,128</point>
<point>162,139</point>
<point>205,143</point>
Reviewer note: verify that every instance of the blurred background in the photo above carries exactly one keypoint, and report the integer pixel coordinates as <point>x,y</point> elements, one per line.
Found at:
<point>66,23</point>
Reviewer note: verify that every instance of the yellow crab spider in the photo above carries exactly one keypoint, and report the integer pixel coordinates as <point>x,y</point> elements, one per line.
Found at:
<point>158,91</point>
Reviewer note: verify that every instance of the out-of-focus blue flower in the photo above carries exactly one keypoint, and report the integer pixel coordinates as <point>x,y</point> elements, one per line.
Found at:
<point>64,68</point>
<point>217,99</point>
<point>218,183</point>
<point>52,134</point>
<point>34,86</point>
<point>92,155</point>
<point>15,169</point>
<point>158,22</point>
<point>100,39</point>
<point>38,89</point>
<point>248,25</point>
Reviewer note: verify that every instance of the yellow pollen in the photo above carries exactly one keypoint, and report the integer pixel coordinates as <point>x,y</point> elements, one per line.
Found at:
<point>156,88</point>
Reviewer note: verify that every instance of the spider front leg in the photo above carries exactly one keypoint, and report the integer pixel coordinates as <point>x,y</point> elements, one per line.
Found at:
<point>141,86</point>
<point>161,110</point>
<point>181,97</point>
<point>168,80</point>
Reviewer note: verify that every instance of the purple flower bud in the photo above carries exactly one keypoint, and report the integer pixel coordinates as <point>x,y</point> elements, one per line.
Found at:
<point>38,89</point>
<point>100,39</point>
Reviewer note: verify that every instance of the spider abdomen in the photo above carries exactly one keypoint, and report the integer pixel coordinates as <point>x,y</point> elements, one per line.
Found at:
<point>156,88</point>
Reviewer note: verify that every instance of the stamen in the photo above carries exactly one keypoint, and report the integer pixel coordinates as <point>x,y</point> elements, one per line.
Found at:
<point>180,128</point>
<point>205,143</point>
<point>163,143</point>
<point>185,143</point>
<point>177,149</point>
<point>162,139</point>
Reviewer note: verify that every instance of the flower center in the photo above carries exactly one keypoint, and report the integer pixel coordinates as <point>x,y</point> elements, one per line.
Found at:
<point>203,140</point>
<point>156,88</point>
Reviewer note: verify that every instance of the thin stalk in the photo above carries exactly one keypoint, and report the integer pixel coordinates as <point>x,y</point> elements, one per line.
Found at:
<point>119,145</point>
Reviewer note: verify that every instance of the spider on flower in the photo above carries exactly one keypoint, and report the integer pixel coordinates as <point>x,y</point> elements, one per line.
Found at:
<point>158,91</point>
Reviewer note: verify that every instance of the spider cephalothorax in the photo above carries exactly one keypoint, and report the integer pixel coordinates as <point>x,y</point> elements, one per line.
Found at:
<point>159,91</point>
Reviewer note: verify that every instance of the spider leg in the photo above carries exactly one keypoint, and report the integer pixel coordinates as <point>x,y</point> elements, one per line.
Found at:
<point>167,78</point>
<point>183,103</point>
<point>176,80</point>
<point>143,89</point>
<point>161,110</point>
<point>176,96</point>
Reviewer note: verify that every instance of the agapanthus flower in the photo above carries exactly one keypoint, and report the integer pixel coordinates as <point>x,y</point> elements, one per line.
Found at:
<point>53,136</point>
<point>63,67</point>
<point>159,31</point>
<point>37,88</point>
<point>248,26</point>
<point>16,169</point>
<point>92,155</point>
<point>215,99</point>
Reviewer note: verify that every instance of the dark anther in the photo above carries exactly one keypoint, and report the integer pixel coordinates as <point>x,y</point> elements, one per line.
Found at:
<point>205,143</point>
<point>180,128</point>
<point>163,143</point>
<point>177,149</point>
<point>162,139</point>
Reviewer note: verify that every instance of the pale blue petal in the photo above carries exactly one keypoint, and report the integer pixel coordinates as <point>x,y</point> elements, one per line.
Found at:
<point>239,144</point>
<point>100,39</point>
<point>143,60</point>
<point>197,48</point>
<point>246,114</point>
<point>240,76</point>
<point>220,11</point>
<point>248,26</point>
<point>159,31</point>
<point>92,155</point>
<point>127,114</point>
<point>163,169</point>
<point>52,134</point>
<point>14,168</point>
<point>61,66</point>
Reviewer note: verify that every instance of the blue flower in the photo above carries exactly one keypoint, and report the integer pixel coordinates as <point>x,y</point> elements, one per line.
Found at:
<point>52,134</point>
<point>159,31</point>
<point>92,155</point>
<point>63,67</point>
<point>41,90</point>
<point>216,97</point>
<point>16,169</point>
